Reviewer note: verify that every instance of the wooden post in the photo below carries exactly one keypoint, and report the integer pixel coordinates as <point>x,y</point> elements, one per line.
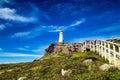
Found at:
<point>119,49</point>
<point>96,45</point>
<point>83,47</point>
<point>114,52</point>
<point>109,54</point>
<point>99,48</point>
<point>119,53</point>
<point>102,48</point>
<point>105,50</point>
<point>90,45</point>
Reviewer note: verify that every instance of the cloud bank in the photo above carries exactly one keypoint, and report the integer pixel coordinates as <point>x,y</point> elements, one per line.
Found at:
<point>10,54</point>
<point>108,29</point>
<point>10,14</point>
<point>50,28</point>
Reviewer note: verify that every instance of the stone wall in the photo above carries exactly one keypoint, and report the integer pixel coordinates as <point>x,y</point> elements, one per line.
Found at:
<point>68,48</point>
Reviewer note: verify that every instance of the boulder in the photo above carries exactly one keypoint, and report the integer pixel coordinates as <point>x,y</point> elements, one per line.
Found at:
<point>87,61</point>
<point>105,67</point>
<point>22,78</point>
<point>66,72</point>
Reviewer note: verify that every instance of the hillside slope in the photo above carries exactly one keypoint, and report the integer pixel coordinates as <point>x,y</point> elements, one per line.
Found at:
<point>49,68</point>
<point>114,40</point>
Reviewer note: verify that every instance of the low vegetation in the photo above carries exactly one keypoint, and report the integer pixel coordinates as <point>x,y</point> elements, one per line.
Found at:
<point>117,41</point>
<point>49,68</point>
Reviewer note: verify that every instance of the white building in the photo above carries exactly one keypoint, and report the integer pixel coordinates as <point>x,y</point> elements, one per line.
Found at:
<point>61,40</point>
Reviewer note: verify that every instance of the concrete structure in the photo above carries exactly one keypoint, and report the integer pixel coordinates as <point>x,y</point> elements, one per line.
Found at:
<point>61,40</point>
<point>108,50</point>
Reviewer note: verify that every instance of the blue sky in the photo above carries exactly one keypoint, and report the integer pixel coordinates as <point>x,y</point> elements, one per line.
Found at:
<point>27,27</point>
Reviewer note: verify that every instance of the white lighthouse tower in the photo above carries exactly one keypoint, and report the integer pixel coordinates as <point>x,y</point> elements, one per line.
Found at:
<point>61,40</point>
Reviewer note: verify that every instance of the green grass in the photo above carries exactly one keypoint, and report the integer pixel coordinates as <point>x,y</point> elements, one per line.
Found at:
<point>79,55</point>
<point>117,41</point>
<point>49,68</point>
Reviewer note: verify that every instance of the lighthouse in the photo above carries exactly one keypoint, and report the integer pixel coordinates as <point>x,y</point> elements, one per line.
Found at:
<point>61,40</point>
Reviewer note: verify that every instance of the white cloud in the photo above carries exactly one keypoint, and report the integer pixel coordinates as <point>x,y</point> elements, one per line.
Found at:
<point>37,50</point>
<point>2,26</point>
<point>5,1</point>
<point>22,49</point>
<point>1,49</point>
<point>20,34</point>
<point>41,49</point>
<point>27,35</point>
<point>25,48</point>
<point>10,14</point>
<point>54,28</point>
<point>78,22</point>
<point>38,30</point>
<point>82,39</point>
<point>10,54</point>
<point>107,29</point>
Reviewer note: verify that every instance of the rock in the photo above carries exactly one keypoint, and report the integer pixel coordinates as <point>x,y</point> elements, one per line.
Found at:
<point>9,70</point>
<point>66,72</point>
<point>22,78</point>
<point>1,72</point>
<point>68,48</point>
<point>87,61</point>
<point>105,67</point>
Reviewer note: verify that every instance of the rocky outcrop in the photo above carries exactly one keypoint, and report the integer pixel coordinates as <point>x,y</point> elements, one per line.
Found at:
<point>68,48</point>
<point>106,67</point>
<point>113,40</point>
<point>88,61</point>
<point>66,72</point>
<point>22,78</point>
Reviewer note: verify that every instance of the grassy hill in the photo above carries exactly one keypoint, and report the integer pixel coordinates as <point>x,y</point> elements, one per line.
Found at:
<point>49,68</point>
<point>114,40</point>
<point>117,41</point>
